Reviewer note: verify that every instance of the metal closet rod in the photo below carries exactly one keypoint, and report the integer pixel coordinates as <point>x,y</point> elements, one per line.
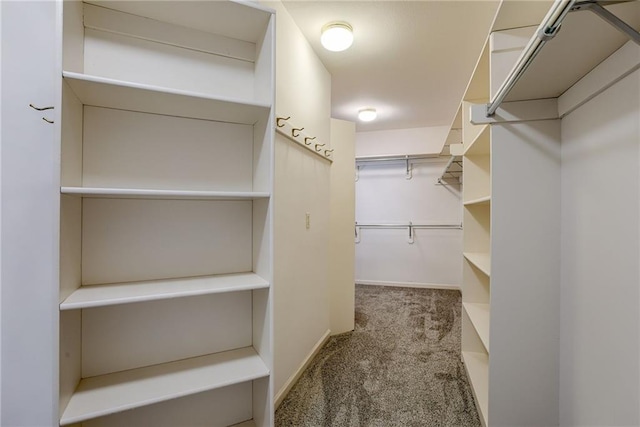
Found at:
<point>396,158</point>
<point>409,225</point>
<point>548,30</point>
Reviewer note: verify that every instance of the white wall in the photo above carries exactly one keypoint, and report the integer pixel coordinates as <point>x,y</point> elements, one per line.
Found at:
<point>600,295</point>
<point>384,195</point>
<point>301,296</point>
<point>343,213</point>
<point>427,140</point>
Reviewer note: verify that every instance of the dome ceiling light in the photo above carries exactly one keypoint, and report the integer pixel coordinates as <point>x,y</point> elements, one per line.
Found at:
<point>367,114</point>
<point>336,36</point>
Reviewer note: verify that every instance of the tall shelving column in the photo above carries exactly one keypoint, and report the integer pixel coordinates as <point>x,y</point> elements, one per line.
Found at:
<point>166,214</point>
<point>476,271</point>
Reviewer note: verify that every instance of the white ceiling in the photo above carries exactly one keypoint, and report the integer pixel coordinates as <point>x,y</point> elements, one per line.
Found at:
<point>410,60</point>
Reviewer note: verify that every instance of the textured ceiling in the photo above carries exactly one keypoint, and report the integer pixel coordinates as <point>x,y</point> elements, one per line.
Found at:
<point>410,60</point>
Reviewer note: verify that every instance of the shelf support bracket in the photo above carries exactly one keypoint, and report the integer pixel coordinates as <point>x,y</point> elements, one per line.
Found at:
<point>612,19</point>
<point>409,171</point>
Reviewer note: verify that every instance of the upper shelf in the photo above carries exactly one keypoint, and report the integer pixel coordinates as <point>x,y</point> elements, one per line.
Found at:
<point>136,193</point>
<point>112,393</point>
<point>219,17</point>
<point>584,41</point>
<point>122,95</point>
<point>123,293</point>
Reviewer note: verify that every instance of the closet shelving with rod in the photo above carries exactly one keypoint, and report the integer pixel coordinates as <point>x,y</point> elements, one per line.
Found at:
<point>165,269</point>
<point>511,198</point>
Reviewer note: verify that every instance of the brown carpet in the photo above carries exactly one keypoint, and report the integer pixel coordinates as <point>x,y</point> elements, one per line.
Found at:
<point>399,367</point>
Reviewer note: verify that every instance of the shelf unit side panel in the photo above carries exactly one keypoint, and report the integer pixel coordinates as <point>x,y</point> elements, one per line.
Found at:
<point>128,336</point>
<point>73,36</point>
<point>125,58</point>
<point>264,64</point>
<point>216,408</point>
<point>124,149</point>
<point>525,280</point>
<point>70,353</point>
<point>262,159</point>
<point>131,239</point>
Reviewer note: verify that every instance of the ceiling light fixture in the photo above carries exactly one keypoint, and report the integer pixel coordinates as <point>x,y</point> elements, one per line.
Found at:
<point>336,36</point>
<point>367,114</point>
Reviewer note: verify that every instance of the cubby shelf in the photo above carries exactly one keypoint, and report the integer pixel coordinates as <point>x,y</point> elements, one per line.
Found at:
<point>477,366</point>
<point>120,391</point>
<point>480,318</point>
<point>138,193</point>
<point>110,93</point>
<point>486,200</point>
<point>481,260</point>
<point>124,293</point>
<point>481,143</point>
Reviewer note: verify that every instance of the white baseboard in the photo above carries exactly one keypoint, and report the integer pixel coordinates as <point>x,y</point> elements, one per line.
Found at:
<point>286,388</point>
<point>409,284</point>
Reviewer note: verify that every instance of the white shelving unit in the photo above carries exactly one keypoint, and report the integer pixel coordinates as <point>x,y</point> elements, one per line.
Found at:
<point>512,217</point>
<point>166,218</point>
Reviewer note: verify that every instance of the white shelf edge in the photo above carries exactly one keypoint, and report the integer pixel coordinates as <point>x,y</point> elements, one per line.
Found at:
<point>469,151</point>
<point>162,194</point>
<point>479,315</point>
<point>119,94</point>
<point>482,261</point>
<point>112,393</point>
<point>249,423</point>
<point>478,201</point>
<point>131,292</point>
<point>477,367</point>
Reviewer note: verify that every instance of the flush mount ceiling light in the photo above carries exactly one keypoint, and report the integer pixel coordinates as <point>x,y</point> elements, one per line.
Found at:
<point>336,36</point>
<point>367,114</point>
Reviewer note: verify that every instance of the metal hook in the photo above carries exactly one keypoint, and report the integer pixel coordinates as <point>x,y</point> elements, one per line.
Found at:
<point>357,172</point>
<point>410,233</point>
<point>281,118</point>
<point>319,145</point>
<point>328,152</point>
<point>357,240</point>
<point>293,132</point>
<point>47,120</point>
<point>409,171</point>
<point>40,109</point>
<point>308,138</point>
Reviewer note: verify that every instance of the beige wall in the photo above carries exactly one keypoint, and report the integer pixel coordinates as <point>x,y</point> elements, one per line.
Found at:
<point>341,237</point>
<point>301,298</point>
<point>426,140</point>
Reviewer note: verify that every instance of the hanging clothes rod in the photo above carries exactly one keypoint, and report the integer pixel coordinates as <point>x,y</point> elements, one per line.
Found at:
<point>396,158</point>
<point>548,30</point>
<point>545,32</point>
<point>410,225</point>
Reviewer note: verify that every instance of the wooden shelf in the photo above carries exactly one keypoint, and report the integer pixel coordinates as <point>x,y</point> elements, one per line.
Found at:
<point>122,95</point>
<point>481,260</point>
<point>137,193</point>
<point>120,391</point>
<point>124,293</point>
<point>481,144</point>
<point>479,315</point>
<point>486,200</point>
<point>477,366</point>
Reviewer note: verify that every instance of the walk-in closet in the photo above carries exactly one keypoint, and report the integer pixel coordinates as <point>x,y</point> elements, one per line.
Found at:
<point>213,216</point>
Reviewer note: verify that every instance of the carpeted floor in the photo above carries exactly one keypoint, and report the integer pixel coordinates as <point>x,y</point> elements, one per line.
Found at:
<point>399,367</point>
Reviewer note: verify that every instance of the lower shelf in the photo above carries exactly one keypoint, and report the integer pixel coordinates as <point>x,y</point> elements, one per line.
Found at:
<point>121,391</point>
<point>482,260</point>
<point>477,366</point>
<point>479,314</point>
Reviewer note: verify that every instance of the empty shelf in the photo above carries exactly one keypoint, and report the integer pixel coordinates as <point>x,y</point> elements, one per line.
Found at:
<point>140,193</point>
<point>479,316</point>
<point>110,93</point>
<point>120,391</point>
<point>477,366</point>
<point>123,293</point>
<point>481,144</point>
<point>479,201</point>
<point>481,260</point>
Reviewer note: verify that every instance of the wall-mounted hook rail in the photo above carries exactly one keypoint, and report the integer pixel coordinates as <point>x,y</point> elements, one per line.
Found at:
<point>298,136</point>
<point>279,119</point>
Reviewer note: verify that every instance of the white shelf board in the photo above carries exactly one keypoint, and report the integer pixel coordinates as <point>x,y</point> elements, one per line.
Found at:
<point>584,42</point>
<point>479,314</point>
<point>481,145</point>
<point>124,293</point>
<point>109,93</point>
<point>140,193</point>
<point>477,366</point>
<point>249,423</point>
<point>486,200</point>
<point>481,260</point>
<point>121,391</point>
